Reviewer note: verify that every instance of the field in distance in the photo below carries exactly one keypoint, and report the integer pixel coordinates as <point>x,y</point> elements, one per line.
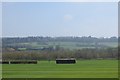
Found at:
<point>65,45</point>
<point>43,43</point>
<point>46,69</point>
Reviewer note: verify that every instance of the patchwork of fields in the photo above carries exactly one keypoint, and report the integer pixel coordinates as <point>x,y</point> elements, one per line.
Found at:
<point>46,69</point>
<point>65,45</point>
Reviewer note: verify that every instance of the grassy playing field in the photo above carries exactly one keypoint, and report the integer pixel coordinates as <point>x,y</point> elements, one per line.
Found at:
<point>45,69</point>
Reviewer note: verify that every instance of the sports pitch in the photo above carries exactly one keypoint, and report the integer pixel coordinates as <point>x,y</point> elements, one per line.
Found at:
<point>46,69</point>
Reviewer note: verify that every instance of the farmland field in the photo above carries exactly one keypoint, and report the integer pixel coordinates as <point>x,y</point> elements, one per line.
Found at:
<point>45,69</point>
<point>65,45</point>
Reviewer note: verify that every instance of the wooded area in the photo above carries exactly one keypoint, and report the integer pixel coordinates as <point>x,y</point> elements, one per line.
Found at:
<point>44,51</point>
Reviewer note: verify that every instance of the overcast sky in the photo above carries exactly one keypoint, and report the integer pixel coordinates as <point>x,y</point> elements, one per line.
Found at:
<point>59,19</point>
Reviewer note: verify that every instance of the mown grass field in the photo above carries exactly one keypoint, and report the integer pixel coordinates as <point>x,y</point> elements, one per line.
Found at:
<point>45,69</point>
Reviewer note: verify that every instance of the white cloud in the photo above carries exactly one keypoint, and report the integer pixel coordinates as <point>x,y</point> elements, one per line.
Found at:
<point>68,17</point>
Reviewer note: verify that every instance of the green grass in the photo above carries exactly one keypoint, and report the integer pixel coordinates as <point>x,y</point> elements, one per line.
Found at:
<point>45,69</point>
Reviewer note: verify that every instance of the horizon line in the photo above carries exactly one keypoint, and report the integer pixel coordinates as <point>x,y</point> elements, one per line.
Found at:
<point>57,36</point>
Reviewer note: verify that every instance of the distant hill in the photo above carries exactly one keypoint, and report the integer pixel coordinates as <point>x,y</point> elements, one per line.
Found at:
<point>38,43</point>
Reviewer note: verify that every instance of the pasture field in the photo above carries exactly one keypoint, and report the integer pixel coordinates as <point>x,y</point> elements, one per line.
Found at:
<point>67,45</point>
<point>46,69</point>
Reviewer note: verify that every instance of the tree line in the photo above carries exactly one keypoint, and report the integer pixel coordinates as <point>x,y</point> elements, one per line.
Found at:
<point>52,53</point>
<point>87,53</point>
<point>89,39</point>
